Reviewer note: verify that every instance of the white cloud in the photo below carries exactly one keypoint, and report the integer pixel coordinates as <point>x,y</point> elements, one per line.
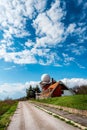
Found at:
<point>13,23</point>
<point>15,90</point>
<point>10,90</point>
<point>34,5</point>
<point>29,43</point>
<point>40,52</point>
<point>76,49</point>
<point>11,18</point>
<point>67,59</point>
<point>40,5</point>
<point>74,82</point>
<point>71,28</point>
<point>33,83</point>
<point>79,65</point>
<point>55,13</point>
<point>49,27</point>
<point>50,59</point>
<point>79,1</point>
<point>9,68</point>
<point>81,31</point>
<point>23,57</point>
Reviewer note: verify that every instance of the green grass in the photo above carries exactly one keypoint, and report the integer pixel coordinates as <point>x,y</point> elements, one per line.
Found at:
<point>76,101</point>
<point>7,108</point>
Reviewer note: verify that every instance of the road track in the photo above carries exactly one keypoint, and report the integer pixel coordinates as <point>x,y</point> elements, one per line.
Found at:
<point>28,117</point>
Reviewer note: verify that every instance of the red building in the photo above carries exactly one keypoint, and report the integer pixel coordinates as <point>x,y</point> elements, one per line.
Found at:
<point>51,88</point>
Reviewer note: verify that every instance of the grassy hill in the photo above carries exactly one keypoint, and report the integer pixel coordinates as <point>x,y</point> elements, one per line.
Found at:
<point>76,101</point>
<point>7,109</point>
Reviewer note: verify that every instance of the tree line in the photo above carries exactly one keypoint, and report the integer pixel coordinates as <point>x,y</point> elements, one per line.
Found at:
<point>31,91</point>
<point>80,89</point>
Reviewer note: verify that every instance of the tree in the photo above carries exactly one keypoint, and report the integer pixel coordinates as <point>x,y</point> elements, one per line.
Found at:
<point>37,89</point>
<point>80,89</point>
<point>31,91</point>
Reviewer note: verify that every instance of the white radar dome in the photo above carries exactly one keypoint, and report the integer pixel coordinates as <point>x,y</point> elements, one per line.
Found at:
<point>45,78</point>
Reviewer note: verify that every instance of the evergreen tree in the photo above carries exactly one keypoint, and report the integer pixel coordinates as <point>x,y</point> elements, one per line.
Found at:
<point>31,91</point>
<point>37,89</point>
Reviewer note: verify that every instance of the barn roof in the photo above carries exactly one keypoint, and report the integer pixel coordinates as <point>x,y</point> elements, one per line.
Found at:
<point>54,85</point>
<point>48,92</point>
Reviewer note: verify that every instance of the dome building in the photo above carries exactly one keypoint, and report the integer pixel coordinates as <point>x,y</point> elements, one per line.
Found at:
<point>52,88</point>
<point>45,78</point>
<point>46,81</point>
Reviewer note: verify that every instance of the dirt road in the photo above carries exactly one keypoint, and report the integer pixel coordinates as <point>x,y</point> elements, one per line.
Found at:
<point>28,117</point>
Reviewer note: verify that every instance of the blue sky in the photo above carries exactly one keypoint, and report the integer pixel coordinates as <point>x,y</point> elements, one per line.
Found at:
<point>41,36</point>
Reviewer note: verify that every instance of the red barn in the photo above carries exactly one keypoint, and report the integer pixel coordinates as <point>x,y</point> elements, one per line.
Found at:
<point>51,88</point>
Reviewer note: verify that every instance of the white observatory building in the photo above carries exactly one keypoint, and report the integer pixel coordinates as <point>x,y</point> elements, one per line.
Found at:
<point>52,88</point>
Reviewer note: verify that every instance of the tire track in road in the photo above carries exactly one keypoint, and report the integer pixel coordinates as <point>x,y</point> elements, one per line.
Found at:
<point>28,117</point>
<point>22,122</point>
<point>39,119</point>
<point>15,120</point>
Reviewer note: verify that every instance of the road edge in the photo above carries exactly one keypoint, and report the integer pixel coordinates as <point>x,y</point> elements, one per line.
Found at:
<point>63,118</point>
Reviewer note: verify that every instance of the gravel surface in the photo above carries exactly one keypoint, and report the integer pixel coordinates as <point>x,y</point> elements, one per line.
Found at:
<point>28,117</point>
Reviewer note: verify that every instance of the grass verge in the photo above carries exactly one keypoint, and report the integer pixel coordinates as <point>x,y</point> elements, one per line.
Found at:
<point>76,101</point>
<point>6,115</point>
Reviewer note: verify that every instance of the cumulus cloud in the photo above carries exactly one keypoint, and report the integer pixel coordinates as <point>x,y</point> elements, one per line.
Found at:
<point>34,5</point>
<point>46,23</point>
<point>23,57</point>
<point>49,31</point>
<point>12,14</point>
<point>71,28</point>
<point>49,22</point>
<point>15,90</point>
<point>79,65</point>
<point>13,18</point>
<point>50,59</point>
<point>76,49</point>
<point>29,43</point>
<point>10,90</point>
<point>74,82</point>
<point>67,59</point>
<point>79,50</point>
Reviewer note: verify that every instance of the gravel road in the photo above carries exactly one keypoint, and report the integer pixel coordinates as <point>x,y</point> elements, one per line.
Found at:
<point>28,117</point>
